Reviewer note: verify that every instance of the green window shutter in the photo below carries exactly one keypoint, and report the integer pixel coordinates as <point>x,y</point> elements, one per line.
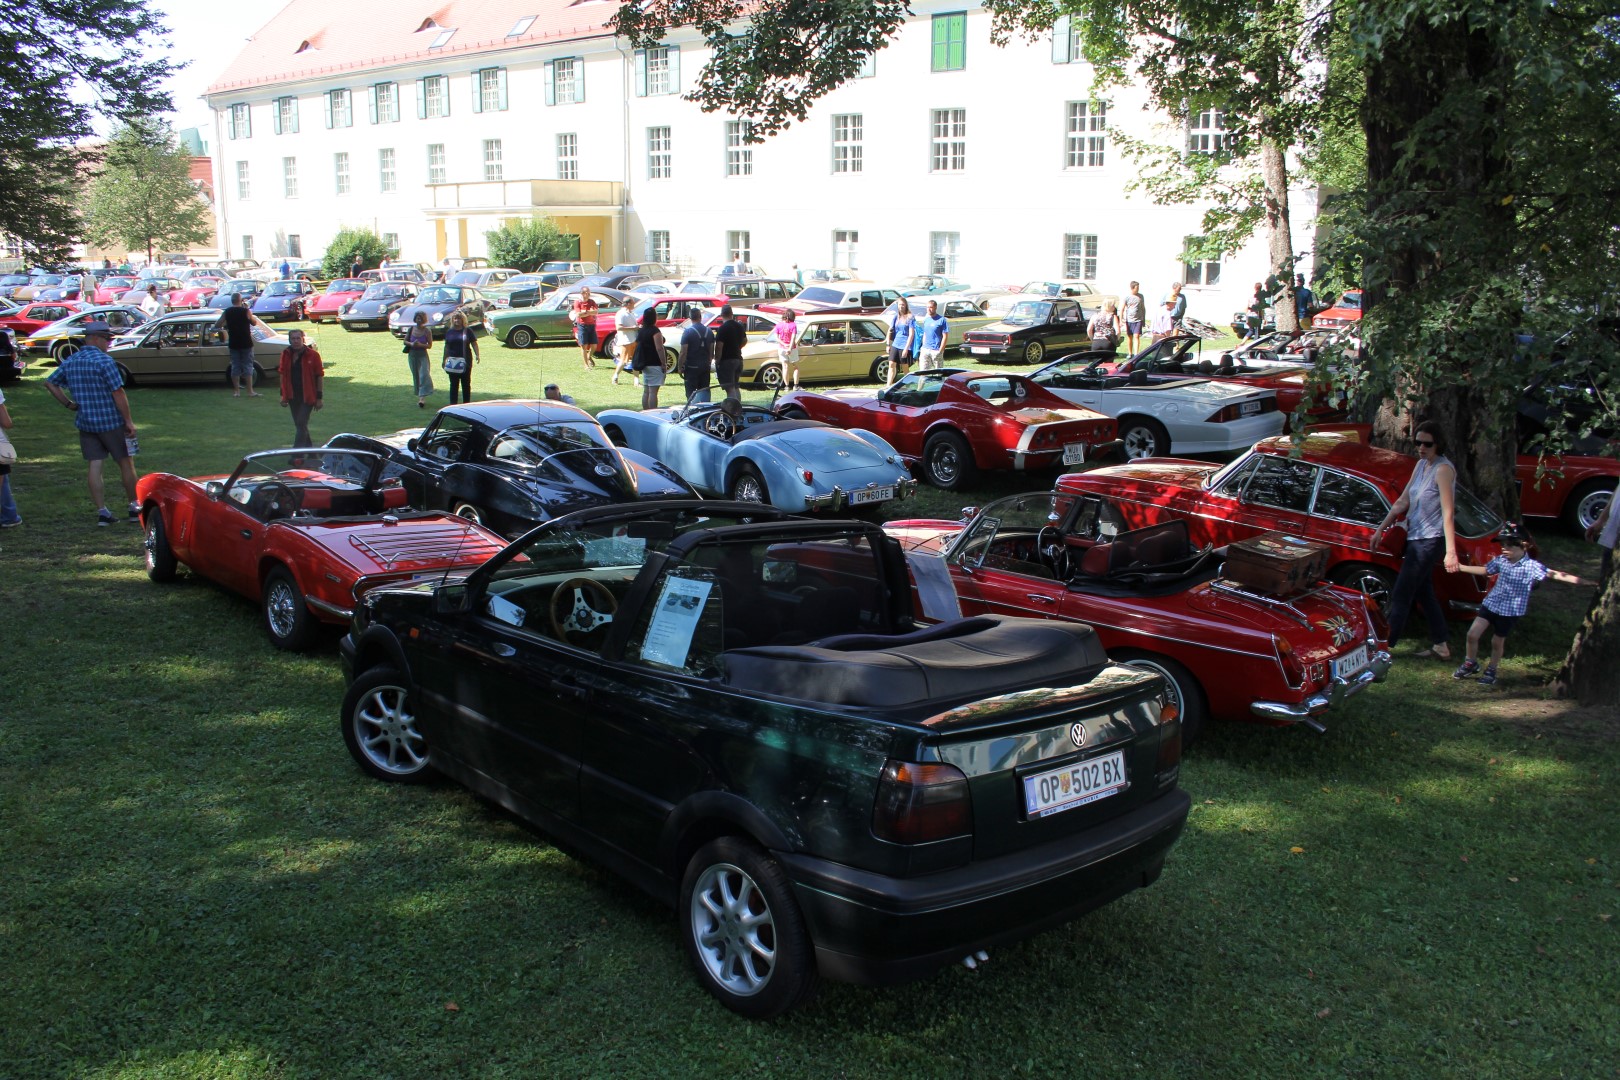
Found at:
<point>958,58</point>
<point>445,96</point>
<point>371,100</point>
<point>641,73</point>
<point>421,99</point>
<point>941,44</point>
<point>500,81</point>
<point>579,79</point>
<point>327,99</point>
<point>275,115</point>
<point>1060,41</point>
<point>478,91</point>
<point>674,69</point>
<point>551,84</point>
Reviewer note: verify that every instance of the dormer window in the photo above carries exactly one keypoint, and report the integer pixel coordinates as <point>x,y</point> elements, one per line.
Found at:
<point>427,24</point>
<point>303,46</point>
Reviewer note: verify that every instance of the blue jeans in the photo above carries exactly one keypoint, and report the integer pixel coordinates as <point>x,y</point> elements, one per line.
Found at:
<point>8,505</point>
<point>1415,584</point>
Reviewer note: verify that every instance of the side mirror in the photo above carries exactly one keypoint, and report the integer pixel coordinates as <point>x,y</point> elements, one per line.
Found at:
<point>450,599</point>
<point>410,444</point>
<point>214,489</point>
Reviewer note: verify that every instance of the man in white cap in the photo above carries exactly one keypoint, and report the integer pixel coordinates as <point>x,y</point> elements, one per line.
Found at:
<point>88,382</point>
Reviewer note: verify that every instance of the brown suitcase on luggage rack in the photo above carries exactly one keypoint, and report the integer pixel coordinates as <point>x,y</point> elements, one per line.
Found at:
<point>1276,564</point>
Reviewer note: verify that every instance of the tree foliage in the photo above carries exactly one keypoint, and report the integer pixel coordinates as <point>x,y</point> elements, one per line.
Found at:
<point>351,244</point>
<point>528,242</point>
<point>143,196</point>
<point>66,63</point>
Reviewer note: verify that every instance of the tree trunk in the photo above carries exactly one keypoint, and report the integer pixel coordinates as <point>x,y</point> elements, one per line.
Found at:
<point>1589,674</point>
<point>1279,233</point>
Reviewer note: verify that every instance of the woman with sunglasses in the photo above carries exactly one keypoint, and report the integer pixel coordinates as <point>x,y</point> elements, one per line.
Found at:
<point>1429,503</point>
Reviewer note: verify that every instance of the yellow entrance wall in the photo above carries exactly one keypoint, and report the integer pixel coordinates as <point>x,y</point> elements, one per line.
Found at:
<point>595,237</point>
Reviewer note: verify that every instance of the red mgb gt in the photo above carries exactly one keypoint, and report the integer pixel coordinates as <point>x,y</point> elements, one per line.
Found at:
<point>1335,493</point>
<point>305,532</point>
<point>953,423</point>
<point>334,298</point>
<point>1574,488</point>
<point>1158,603</point>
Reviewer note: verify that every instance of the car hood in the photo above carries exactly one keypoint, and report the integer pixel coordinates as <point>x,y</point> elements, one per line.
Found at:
<point>337,299</point>
<point>929,536</point>
<point>395,545</point>
<point>273,301</point>
<point>1167,472</point>
<point>829,450</point>
<point>372,307</point>
<point>1337,618</point>
<point>1037,415</point>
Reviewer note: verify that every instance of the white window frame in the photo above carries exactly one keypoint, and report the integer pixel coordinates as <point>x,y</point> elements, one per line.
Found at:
<point>436,163</point>
<point>739,153</point>
<point>1200,273</point>
<point>848,136</point>
<point>435,96</point>
<point>567,155</point>
<point>244,186</point>
<point>660,79</point>
<point>387,170</point>
<point>846,246</point>
<point>489,90</point>
<point>660,152</point>
<point>947,140</point>
<point>658,246</point>
<point>340,171</point>
<point>241,121</point>
<point>944,252</point>
<point>565,80</point>
<point>247,244</point>
<point>1206,132</point>
<point>1085,141</point>
<point>1080,256</point>
<point>493,169</point>
<point>339,109</point>
<point>385,103</point>
<point>740,245</point>
<point>289,178</point>
<point>286,115</point>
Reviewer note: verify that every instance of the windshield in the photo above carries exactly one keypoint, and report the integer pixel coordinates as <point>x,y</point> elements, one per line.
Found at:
<point>819,295</point>
<point>555,267</point>
<point>1473,518</point>
<point>284,288</point>
<point>1008,528</point>
<point>381,290</point>
<point>346,285</point>
<point>466,277</point>
<point>1029,313</point>
<point>241,287</point>
<point>439,295</point>
<point>1351,300</point>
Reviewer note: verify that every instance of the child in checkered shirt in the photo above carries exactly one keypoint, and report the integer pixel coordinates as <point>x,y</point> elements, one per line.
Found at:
<point>1516,574</point>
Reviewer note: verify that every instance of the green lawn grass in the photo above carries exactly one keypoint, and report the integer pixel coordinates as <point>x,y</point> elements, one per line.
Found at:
<point>196,881</point>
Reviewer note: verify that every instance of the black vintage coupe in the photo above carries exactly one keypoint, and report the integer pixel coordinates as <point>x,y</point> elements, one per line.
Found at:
<point>1032,331</point>
<point>380,300</point>
<point>733,709</point>
<point>511,464</point>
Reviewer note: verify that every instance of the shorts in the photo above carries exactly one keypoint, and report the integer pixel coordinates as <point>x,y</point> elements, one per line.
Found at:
<point>1501,625</point>
<point>585,332</point>
<point>1134,329</point>
<point>242,365</point>
<point>100,445</point>
<point>652,375</point>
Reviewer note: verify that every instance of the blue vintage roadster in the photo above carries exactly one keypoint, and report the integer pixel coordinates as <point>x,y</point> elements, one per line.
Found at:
<point>745,453</point>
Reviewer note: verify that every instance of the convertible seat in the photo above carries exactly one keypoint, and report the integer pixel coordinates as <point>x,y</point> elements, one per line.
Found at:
<point>962,659</point>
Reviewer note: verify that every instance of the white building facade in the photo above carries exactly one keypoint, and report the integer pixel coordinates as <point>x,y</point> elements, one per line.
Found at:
<point>949,155</point>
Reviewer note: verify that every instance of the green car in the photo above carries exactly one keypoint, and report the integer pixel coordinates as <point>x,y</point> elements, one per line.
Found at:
<point>524,328</point>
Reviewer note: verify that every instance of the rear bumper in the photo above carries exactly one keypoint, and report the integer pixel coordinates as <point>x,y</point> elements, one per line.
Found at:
<point>1337,691</point>
<point>874,929</point>
<point>840,499</point>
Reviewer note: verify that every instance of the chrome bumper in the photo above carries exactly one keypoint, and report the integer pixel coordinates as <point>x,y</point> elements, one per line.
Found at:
<point>838,498</point>
<point>1340,689</point>
<point>333,610</point>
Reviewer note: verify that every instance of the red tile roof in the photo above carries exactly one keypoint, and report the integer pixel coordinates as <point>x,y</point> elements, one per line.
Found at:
<point>314,39</point>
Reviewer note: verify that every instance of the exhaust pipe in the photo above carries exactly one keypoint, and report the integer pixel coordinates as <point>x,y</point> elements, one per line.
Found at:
<point>973,960</point>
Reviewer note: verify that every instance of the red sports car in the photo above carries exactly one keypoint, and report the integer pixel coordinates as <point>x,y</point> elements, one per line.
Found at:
<point>1157,602</point>
<point>952,423</point>
<point>112,290</point>
<point>194,292</point>
<point>671,311</point>
<point>304,532</point>
<point>30,317</point>
<point>1347,312</point>
<point>334,298</point>
<point>1574,488</point>
<point>1336,492</point>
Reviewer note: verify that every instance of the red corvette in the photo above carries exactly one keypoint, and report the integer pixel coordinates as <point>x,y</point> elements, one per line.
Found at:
<point>334,298</point>
<point>1574,488</point>
<point>1336,492</point>
<point>1159,603</point>
<point>304,532</point>
<point>953,423</point>
<point>30,317</point>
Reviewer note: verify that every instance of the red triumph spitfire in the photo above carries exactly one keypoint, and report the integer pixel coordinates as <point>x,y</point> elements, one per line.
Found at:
<point>1157,602</point>
<point>1335,492</point>
<point>304,532</point>
<point>952,423</point>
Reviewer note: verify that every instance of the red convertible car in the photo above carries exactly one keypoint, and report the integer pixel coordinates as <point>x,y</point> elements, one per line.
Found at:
<point>952,423</point>
<point>1336,492</point>
<point>334,298</point>
<point>1160,603</point>
<point>304,532</point>
<point>31,317</point>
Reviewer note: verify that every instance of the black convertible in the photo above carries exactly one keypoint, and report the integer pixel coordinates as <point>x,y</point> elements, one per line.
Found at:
<point>512,464</point>
<point>734,709</point>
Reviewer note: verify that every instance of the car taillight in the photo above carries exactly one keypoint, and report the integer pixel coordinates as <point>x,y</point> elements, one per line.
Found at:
<point>1292,666</point>
<point>920,803</point>
<point>809,477</point>
<point>1169,762</point>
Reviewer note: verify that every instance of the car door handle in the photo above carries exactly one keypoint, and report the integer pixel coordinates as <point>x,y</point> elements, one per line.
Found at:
<point>1040,598</point>
<point>501,648</point>
<point>247,534</point>
<point>569,688</point>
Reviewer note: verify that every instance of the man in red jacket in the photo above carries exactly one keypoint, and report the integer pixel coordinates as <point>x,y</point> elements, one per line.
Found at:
<point>302,380</point>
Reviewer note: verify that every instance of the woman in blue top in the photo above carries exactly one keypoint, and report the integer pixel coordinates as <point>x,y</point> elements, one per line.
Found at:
<point>901,332</point>
<point>460,353</point>
<point>1429,503</point>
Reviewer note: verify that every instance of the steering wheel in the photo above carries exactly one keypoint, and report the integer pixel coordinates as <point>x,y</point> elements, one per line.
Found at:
<point>1049,542</point>
<point>580,606</point>
<point>719,424</point>
<point>277,499</point>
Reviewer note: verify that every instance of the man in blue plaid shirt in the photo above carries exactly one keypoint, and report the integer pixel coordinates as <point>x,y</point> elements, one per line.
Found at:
<point>88,382</point>
<point>1516,574</point>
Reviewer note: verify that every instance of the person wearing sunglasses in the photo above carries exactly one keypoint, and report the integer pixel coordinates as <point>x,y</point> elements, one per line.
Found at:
<point>1429,503</point>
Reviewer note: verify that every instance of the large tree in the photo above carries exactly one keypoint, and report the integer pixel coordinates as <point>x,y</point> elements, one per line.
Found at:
<point>143,195</point>
<point>65,63</point>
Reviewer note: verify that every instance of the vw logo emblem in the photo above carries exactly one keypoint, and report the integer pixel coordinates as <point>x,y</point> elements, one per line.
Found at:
<point>1077,734</point>
<point>606,470</point>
